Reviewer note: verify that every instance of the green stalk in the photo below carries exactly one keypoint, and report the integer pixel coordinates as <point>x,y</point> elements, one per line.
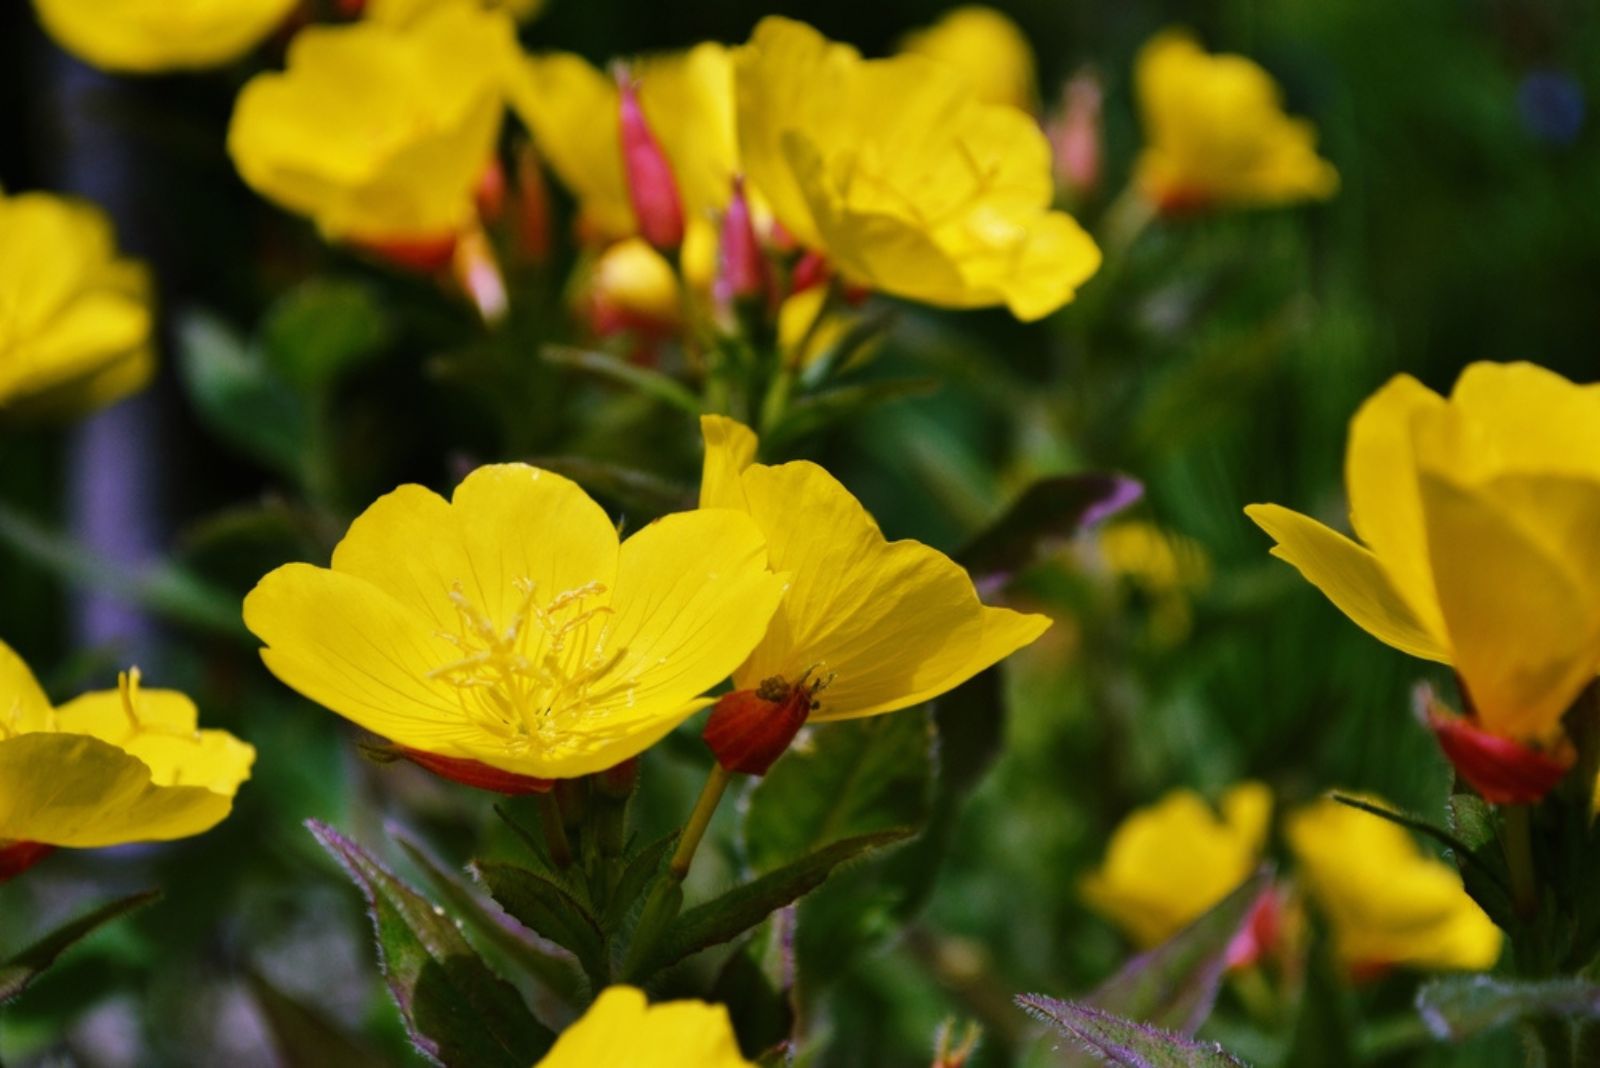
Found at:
<point>1518,844</point>
<point>706,807</point>
<point>555,831</point>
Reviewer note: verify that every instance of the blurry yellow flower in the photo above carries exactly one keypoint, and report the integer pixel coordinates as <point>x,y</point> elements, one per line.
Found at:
<point>633,287</point>
<point>573,110</point>
<point>866,625</point>
<point>622,1029</point>
<point>405,12</point>
<point>987,49</point>
<point>375,132</point>
<point>1480,516</point>
<point>126,765</point>
<point>1169,863</point>
<point>74,317</point>
<point>896,172</point>
<point>1216,133</point>
<point>801,338</point>
<point>1387,902</point>
<point>508,628</point>
<point>144,36</point>
<point>1166,566</point>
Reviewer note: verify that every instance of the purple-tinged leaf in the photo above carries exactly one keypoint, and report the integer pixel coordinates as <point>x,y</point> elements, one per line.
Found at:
<point>18,972</point>
<point>1460,1007</point>
<point>1123,1042</point>
<point>1049,512</point>
<point>456,1010</point>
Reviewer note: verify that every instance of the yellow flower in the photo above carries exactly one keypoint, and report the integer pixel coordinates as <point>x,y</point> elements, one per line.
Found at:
<point>1480,516</point>
<point>379,133</point>
<point>145,36</point>
<point>1216,132</point>
<point>987,48</point>
<point>509,628</point>
<point>1168,567</point>
<point>621,1029</point>
<point>126,765</point>
<point>867,625</point>
<point>405,12</point>
<point>74,317</point>
<point>633,287</point>
<point>1386,901</point>
<point>574,112</point>
<point>896,172</point>
<point>1169,863</point>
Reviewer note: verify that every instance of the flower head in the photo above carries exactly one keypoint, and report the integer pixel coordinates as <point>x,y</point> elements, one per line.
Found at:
<point>1388,903</point>
<point>146,36</point>
<point>867,625</point>
<point>987,49</point>
<point>1480,522</point>
<point>902,177</point>
<point>1216,133</point>
<point>379,133</point>
<point>74,317</point>
<point>1170,862</point>
<point>508,627</point>
<point>124,765</point>
<point>622,1028</point>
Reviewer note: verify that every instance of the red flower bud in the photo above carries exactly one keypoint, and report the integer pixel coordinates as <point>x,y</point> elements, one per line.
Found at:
<point>1260,933</point>
<point>652,189</point>
<point>749,729</point>
<point>490,194</point>
<point>18,857</point>
<point>741,267</point>
<point>477,775</point>
<point>532,207</point>
<point>1503,770</point>
<point>423,255</point>
<point>618,783</point>
<point>810,270</point>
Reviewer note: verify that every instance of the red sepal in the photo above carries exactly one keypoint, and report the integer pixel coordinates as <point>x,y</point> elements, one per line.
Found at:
<point>424,255</point>
<point>1261,931</point>
<point>1504,771</point>
<point>749,729</point>
<point>18,857</point>
<point>475,774</point>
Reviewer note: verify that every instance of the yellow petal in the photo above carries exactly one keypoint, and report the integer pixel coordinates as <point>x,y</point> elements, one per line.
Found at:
<point>730,448</point>
<point>572,109</point>
<point>895,623</point>
<point>988,50</point>
<point>165,736</point>
<point>77,791</point>
<point>155,35</point>
<point>1531,419</point>
<point>687,99</point>
<point>622,1028</point>
<point>23,705</point>
<point>1351,577</point>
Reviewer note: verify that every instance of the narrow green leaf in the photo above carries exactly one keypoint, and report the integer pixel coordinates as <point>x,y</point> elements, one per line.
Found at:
<point>1122,1042</point>
<point>305,1037</point>
<point>641,379</point>
<point>855,778</point>
<point>1048,512</point>
<point>1459,1007</point>
<point>637,875</point>
<point>321,329</point>
<point>1459,848</point>
<point>456,1009</point>
<point>19,971</point>
<point>550,909</point>
<point>238,397</point>
<point>742,908</point>
<point>818,410</point>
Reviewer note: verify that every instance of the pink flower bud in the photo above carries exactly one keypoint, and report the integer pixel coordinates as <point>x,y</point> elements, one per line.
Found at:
<point>1075,135</point>
<point>741,268</point>
<point>651,187</point>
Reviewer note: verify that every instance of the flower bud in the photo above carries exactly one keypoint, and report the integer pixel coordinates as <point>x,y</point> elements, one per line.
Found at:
<point>531,207</point>
<point>1076,137</point>
<point>1504,771</point>
<point>633,288</point>
<point>618,782</point>
<point>490,194</point>
<point>1262,930</point>
<point>478,274</point>
<point>18,857</point>
<point>749,729</point>
<point>475,774</point>
<point>422,255</point>
<point>652,189</point>
<point>742,273</point>
<point>809,271</point>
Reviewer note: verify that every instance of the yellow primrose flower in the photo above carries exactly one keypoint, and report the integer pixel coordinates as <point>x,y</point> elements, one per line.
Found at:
<point>125,765</point>
<point>1168,567</point>
<point>74,317</point>
<point>621,1028</point>
<point>405,12</point>
<point>574,112</point>
<point>508,629</point>
<point>1476,515</point>
<point>987,48</point>
<point>145,36</point>
<point>1387,902</point>
<point>1216,133</point>
<point>908,183</point>
<point>1170,862</point>
<point>866,626</point>
<point>379,133</point>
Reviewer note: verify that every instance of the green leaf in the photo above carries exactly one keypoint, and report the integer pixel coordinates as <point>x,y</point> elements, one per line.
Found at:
<point>1048,512</point>
<point>643,380</point>
<point>637,875</point>
<point>548,908</point>
<point>1480,859</point>
<point>456,1009</point>
<point>818,410</point>
<point>19,971</point>
<point>1459,1007</point>
<point>742,908</point>
<point>303,1036</point>
<point>238,397</point>
<point>548,964</point>
<point>321,329</point>
<point>763,1016</point>
<point>854,778</point>
<point>1325,1024</point>
<point>1126,1043</point>
<point>1174,986</point>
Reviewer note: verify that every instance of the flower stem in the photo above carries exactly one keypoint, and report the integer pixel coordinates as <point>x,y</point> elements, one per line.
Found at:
<point>710,796</point>
<point>555,832</point>
<point>1518,845</point>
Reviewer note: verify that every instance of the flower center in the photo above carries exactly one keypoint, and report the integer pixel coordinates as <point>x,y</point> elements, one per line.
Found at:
<point>542,671</point>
